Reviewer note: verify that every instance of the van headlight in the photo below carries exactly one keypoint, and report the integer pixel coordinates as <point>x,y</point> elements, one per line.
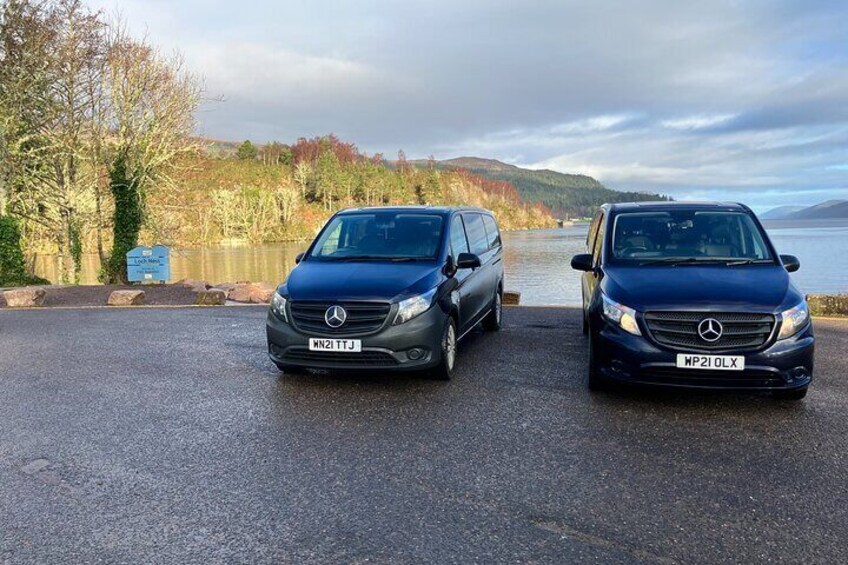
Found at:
<point>794,320</point>
<point>621,315</point>
<point>278,307</point>
<point>415,306</point>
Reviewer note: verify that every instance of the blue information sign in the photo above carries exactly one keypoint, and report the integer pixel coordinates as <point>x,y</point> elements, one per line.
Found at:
<point>149,264</point>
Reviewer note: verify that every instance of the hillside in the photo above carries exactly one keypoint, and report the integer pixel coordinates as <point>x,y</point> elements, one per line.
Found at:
<point>567,195</point>
<point>831,209</point>
<point>270,198</point>
<point>780,212</point>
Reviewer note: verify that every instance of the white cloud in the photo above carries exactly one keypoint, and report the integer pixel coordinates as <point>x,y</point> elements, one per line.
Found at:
<point>256,73</point>
<point>593,124</point>
<point>699,121</point>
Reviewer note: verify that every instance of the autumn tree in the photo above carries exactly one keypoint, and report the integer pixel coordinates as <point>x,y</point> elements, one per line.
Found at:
<point>51,73</point>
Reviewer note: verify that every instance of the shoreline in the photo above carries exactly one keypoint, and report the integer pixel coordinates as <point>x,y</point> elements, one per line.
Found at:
<point>180,294</point>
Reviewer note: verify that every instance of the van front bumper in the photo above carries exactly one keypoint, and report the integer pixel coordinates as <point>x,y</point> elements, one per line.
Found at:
<point>785,364</point>
<point>414,345</point>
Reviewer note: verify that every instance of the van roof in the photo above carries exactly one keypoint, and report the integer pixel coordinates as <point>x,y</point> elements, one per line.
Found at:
<point>442,210</point>
<point>675,204</point>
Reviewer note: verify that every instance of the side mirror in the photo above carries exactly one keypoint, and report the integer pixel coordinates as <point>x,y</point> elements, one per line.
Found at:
<point>299,257</point>
<point>467,261</point>
<point>583,262</point>
<point>790,263</point>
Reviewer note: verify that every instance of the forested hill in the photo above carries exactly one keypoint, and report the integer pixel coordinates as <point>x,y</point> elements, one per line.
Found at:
<point>567,195</point>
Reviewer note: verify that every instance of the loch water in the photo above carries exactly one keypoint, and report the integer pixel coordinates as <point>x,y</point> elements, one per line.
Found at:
<point>536,262</point>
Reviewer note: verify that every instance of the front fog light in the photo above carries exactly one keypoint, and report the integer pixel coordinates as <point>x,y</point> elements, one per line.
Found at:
<point>793,320</point>
<point>621,315</point>
<point>278,307</point>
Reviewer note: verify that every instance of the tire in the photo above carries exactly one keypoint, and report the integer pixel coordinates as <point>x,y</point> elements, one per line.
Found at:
<point>797,394</point>
<point>492,322</point>
<point>445,369</point>
<point>585,323</point>
<point>289,369</point>
<point>594,380</point>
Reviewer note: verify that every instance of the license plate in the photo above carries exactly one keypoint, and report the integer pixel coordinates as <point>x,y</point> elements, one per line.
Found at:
<point>711,362</point>
<point>335,345</point>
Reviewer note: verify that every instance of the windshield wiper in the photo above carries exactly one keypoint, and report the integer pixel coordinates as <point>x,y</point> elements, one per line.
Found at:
<point>749,262</point>
<point>353,258</point>
<point>681,261</point>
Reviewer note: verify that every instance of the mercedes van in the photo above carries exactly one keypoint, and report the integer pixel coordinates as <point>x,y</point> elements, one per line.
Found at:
<point>692,295</point>
<point>389,288</point>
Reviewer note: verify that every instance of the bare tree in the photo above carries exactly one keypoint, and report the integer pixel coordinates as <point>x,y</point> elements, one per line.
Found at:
<point>153,99</point>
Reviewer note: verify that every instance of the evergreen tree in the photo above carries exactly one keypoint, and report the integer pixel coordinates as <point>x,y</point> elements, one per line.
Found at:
<point>247,151</point>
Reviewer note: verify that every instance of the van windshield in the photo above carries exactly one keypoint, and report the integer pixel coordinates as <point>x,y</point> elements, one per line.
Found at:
<point>691,236</point>
<point>393,236</point>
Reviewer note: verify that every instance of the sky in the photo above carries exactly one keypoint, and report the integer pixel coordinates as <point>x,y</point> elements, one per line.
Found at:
<point>739,100</point>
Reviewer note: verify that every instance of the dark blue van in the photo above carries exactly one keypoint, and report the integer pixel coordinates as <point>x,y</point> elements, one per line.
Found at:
<point>389,288</point>
<point>692,295</point>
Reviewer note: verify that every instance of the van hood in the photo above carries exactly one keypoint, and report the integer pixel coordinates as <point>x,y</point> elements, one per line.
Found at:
<point>751,288</point>
<point>319,280</point>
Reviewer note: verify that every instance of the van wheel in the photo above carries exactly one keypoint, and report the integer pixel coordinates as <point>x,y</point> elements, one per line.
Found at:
<point>595,380</point>
<point>585,323</point>
<point>797,394</point>
<point>492,322</point>
<point>444,370</point>
<point>289,369</point>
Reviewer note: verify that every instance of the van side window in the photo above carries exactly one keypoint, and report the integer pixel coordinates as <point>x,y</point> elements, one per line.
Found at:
<point>599,240</point>
<point>593,231</point>
<point>492,232</point>
<point>459,243</point>
<point>476,233</point>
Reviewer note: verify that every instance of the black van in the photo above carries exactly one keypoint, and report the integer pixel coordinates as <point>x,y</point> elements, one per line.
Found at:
<point>692,294</point>
<point>389,288</point>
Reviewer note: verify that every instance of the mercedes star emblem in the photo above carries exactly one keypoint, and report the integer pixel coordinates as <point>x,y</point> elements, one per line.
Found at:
<point>335,316</point>
<point>709,329</point>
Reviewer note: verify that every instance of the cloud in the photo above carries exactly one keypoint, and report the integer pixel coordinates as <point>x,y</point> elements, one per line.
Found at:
<point>740,98</point>
<point>700,121</point>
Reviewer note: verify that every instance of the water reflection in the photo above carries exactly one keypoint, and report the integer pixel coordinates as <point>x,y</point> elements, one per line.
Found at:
<point>536,262</point>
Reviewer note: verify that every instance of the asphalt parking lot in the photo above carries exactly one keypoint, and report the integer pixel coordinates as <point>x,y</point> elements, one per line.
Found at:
<point>166,436</point>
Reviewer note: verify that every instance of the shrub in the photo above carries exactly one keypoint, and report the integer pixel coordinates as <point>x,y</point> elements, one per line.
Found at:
<point>12,265</point>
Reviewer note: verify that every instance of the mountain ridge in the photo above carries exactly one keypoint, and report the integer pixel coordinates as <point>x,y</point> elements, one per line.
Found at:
<point>566,194</point>
<point>829,209</point>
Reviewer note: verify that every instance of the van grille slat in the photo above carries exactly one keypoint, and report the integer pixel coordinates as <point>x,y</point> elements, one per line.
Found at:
<point>362,317</point>
<point>364,359</point>
<point>679,330</point>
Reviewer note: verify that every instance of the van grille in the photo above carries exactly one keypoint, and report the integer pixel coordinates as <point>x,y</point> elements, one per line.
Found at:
<point>363,359</point>
<point>362,317</point>
<point>741,331</point>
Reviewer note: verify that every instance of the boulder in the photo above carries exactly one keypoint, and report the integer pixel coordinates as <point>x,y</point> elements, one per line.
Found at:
<point>226,287</point>
<point>252,293</point>
<point>29,297</point>
<point>211,297</point>
<point>126,298</point>
<point>511,298</point>
<point>195,285</point>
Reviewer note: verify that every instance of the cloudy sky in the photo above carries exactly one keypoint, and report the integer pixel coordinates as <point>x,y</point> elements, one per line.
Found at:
<point>743,100</point>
